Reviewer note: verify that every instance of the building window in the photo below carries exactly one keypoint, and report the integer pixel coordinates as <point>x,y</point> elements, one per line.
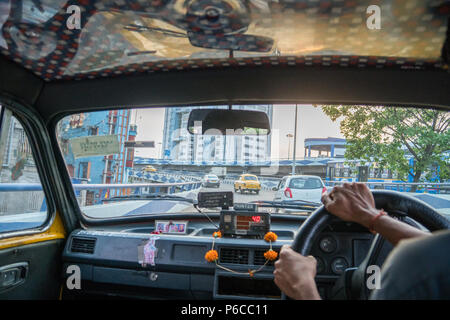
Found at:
<point>83,170</point>
<point>93,131</point>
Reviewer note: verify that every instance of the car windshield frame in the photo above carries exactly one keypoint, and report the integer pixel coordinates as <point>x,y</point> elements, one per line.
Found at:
<point>251,178</point>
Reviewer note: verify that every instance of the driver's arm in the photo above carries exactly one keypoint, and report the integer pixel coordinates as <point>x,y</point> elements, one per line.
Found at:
<point>294,274</point>
<point>354,202</point>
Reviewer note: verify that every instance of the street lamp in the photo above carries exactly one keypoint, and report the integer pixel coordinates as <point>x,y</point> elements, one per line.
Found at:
<point>158,156</point>
<point>289,136</point>
<point>295,141</point>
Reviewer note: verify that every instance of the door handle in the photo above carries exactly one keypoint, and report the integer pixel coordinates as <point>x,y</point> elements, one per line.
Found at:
<point>13,275</point>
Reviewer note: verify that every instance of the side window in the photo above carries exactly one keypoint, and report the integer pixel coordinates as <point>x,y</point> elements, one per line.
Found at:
<point>22,200</point>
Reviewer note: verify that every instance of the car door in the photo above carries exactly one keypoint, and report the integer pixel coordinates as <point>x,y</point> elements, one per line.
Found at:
<point>280,190</point>
<point>31,232</point>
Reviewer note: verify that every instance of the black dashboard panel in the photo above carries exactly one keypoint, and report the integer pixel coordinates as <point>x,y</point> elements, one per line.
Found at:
<point>110,260</point>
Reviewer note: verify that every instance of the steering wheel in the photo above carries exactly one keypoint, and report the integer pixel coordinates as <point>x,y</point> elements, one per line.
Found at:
<point>400,205</point>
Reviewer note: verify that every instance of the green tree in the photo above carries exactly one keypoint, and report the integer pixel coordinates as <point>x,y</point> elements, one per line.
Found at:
<point>385,135</point>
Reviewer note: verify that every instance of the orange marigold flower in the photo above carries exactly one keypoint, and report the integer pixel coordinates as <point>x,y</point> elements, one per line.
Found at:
<point>270,236</point>
<point>217,234</point>
<point>270,255</point>
<point>211,256</point>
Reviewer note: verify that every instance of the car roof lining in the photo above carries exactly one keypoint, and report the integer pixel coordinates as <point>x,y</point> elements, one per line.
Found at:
<point>125,37</point>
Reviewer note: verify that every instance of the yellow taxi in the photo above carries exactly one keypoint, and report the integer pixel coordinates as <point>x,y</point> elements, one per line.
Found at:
<point>247,182</point>
<point>149,169</point>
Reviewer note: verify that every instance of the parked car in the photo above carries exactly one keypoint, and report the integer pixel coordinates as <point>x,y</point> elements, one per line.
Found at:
<point>211,180</point>
<point>300,187</point>
<point>247,183</point>
<point>149,169</point>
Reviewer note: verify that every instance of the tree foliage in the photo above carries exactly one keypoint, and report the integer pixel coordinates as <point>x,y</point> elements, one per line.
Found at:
<point>387,135</point>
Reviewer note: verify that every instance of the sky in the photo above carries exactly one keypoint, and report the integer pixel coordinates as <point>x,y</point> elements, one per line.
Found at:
<point>311,123</point>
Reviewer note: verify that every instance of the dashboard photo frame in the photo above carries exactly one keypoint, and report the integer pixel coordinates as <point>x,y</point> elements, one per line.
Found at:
<point>171,227</point>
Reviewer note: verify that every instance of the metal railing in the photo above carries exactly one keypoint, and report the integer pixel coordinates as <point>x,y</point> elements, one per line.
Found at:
<point>170,187</point>
<point>417,187</point>
<point>106,189</point>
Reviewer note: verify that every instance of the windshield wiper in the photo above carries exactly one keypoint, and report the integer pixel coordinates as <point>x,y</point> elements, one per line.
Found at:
<point>151,196</point>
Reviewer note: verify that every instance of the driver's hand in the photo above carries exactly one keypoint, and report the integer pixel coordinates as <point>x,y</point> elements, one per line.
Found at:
<point>294,275</point>
<point>351,202</point>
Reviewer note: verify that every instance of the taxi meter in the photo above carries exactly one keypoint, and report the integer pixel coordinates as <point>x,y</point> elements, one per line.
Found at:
<point>245,221</point>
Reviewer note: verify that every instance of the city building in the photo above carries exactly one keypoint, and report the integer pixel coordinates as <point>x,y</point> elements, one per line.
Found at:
<point>107,169</point>
<point>325,147</point>
<point>180,145</point>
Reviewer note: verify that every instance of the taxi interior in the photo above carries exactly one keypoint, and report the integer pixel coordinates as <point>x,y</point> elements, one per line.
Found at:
<point>136,54</point>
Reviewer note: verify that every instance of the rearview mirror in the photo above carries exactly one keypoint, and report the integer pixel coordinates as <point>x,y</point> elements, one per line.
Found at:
<point>237,42</point>
<point>228,122</point>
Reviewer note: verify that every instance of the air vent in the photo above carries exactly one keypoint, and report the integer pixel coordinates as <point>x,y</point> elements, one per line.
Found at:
<point>232,255</point>
<point>83,245</point>
<point>259,259</point>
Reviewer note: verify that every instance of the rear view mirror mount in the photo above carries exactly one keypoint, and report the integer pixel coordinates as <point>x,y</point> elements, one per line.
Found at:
<point>228,122</point>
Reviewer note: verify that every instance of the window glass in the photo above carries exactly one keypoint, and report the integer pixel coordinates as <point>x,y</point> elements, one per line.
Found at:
<point>305,183</point>
<point>22,200</point>
<point>129,162</point>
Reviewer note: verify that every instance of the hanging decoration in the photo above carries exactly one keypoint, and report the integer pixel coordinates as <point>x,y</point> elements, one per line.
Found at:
<point>270,255</point>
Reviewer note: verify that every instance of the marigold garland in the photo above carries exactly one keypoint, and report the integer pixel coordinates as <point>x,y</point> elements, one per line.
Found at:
<point>269,255</point>
<point>270,236</point>
<point>211,256</point>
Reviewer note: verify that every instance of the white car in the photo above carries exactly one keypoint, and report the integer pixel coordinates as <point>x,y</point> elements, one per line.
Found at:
<point>211,180</point>
<point>300,187</point>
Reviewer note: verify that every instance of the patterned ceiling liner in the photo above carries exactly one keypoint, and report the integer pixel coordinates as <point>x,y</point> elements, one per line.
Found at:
<point>122,37</point>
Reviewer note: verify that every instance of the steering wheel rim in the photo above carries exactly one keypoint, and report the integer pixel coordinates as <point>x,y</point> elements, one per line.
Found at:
<point>390,201</point>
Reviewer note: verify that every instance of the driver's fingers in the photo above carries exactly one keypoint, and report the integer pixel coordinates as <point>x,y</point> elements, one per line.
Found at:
<point>347,186</point>
<point>329,199</point>
<point>326,200</point>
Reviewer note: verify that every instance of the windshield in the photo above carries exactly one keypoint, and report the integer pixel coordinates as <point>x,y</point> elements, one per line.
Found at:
<point>108,155</point>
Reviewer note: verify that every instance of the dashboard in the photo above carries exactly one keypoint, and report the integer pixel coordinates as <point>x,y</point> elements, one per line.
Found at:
<point>111,264</point>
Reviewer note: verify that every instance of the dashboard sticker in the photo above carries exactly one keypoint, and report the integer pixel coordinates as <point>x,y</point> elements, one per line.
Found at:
<point>147,252</point>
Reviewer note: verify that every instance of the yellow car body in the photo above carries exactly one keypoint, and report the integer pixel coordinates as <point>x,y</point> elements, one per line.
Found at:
<point>247,182</point>
<point>150,169</point>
